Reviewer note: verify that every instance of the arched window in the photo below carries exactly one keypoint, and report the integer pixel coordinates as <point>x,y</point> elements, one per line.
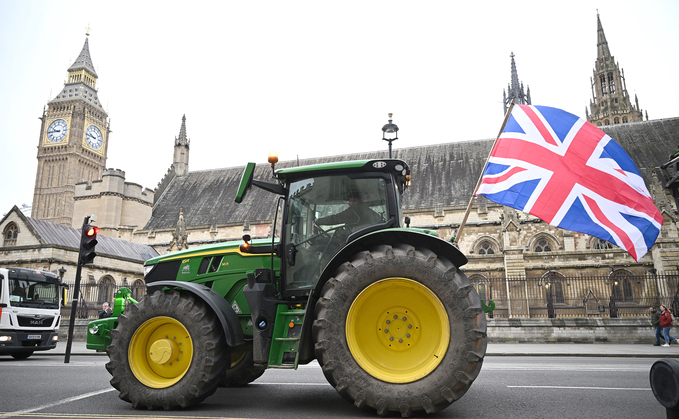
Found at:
<point>607,122</point>
<point>601,244</point>
<point>482,286</point>
<point>10,234</point>
<point>611,84</point>
<point>603,85</point>
<point>138,289</point>
<point>542,245</point>
<point>621,286</point>
<point>486,247</point>
<point>554,287</point>
<point>107,289</point>
<point>616,120</point>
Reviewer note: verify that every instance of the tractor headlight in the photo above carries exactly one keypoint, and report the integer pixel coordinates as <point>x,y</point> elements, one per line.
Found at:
<point>94,329</point>
<point>148,269</point>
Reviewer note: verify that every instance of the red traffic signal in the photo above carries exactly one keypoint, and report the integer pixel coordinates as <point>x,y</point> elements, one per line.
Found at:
<point>87,244</point>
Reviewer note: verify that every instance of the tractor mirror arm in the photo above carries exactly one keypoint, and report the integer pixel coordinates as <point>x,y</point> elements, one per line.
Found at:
<point>269,187</point>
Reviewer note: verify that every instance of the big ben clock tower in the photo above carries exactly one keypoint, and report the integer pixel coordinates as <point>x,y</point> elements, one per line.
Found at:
<point>73,142</point>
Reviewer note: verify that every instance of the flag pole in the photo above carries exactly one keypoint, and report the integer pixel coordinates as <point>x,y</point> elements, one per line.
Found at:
<point>478,184</point>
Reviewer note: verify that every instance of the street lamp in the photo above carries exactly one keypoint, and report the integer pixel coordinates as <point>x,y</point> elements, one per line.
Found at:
<point>390,133</point>
<point>62,271</point>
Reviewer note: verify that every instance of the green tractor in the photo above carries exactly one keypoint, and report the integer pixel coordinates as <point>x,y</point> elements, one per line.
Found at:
<point>394,323</point>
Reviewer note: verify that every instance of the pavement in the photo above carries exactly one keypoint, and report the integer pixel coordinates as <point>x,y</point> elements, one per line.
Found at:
<point>496,349</point>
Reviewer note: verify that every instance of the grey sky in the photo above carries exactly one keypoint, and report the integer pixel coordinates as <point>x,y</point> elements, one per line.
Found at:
<point>311,78</point>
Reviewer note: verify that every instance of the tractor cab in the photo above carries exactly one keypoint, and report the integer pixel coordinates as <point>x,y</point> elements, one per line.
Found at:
<point>328,206</point>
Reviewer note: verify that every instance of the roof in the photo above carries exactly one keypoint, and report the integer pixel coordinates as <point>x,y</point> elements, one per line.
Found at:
<point>442,175</point>
<point>61,235</point>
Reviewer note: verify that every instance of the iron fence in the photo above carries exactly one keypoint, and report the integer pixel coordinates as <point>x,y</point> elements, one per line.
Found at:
<point>552,295</point>
<point>92,297</point>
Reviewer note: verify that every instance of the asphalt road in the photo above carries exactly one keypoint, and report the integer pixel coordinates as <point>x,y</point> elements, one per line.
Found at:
<point>508,387</point>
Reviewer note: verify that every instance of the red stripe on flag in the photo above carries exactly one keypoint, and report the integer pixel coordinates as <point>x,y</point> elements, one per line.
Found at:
<point>626,241</point>
<point>538,124</point>
<point>494,180</point>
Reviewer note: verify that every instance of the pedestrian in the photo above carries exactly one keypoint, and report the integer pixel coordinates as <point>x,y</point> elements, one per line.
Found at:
<point>105,311</point>
<point>666,324</point>
<point>655,322</point>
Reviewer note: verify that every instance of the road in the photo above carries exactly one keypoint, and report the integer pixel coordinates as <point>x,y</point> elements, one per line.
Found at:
<point>508,387</point>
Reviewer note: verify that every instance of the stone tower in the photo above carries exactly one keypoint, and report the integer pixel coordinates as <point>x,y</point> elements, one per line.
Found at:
<point>515,89</point>
<point>180,163</point>
<point>611,104</point>
<point>73,142</point>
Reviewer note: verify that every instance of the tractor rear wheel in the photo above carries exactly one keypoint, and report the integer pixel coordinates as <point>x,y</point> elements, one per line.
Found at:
<point>242,370</point>
<point>167,352</point>
<point>399,329</point>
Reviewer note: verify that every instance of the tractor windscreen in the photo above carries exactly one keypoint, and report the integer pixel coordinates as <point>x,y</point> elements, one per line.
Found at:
<point>323,212</point>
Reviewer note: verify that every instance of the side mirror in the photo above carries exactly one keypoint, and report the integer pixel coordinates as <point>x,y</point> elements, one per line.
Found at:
<point>245,182</point>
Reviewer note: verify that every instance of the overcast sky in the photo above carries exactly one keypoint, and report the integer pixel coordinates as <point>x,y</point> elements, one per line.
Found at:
<point>312,78</point>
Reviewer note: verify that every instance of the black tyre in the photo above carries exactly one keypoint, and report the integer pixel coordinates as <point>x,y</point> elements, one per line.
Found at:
<point>167,352</point>
<point>242,370</point>
<point>399,329</point>
<point>22,355</point>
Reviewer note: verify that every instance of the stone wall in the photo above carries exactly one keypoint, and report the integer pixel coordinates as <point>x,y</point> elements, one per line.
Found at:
<point>625,330</point>
<point>630,330</point>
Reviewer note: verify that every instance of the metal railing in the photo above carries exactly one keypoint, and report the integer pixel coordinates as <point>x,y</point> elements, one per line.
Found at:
<point>556,296</point>
<point>548,296</point>
<point>92,297</point>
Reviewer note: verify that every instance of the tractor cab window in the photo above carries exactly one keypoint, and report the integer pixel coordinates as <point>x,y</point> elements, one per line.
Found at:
<point>322,213</point>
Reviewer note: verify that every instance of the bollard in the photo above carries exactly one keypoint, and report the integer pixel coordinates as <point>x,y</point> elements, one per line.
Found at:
<point>664,379</point>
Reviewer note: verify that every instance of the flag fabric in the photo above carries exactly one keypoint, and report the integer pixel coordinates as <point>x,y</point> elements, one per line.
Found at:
<point>567,172</point>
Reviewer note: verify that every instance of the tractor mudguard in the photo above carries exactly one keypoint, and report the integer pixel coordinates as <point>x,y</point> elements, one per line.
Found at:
<point>391,236</point>
<point>224,312</point>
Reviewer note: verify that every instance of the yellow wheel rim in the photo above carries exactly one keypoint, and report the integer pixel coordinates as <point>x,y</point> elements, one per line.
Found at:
<point>397,330</point>
<point>160,352</point>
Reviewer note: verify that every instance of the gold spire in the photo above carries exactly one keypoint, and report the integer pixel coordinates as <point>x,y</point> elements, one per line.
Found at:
<point>87,34</point>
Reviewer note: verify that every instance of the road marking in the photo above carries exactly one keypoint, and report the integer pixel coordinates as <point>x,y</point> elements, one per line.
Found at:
<point>47,406</point>
<point>117,416</point>
<point>562,368</point>
<point>582,388</point>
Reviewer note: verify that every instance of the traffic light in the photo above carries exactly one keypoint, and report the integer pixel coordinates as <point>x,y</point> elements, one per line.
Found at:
<point>87,244</point>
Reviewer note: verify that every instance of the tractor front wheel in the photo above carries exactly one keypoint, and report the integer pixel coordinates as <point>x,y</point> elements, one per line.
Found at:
<point>242,370</point>
<point>399,329</point>
<point>167,352</point>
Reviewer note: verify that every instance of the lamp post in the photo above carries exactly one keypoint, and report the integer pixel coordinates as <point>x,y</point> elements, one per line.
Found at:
<point>390,133</point>
<point>62,271</point>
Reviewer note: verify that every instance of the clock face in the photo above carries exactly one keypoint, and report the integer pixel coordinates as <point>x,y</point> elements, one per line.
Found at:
<point>57,130</point>
<point>93,137</point>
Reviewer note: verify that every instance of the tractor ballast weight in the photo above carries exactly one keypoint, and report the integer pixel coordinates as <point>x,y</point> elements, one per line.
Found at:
<point>392,320</point>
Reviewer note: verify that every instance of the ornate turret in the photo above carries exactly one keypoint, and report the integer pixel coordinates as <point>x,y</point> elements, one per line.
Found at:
<point>181,151</point>
<point>610,104</point>
<point>515,89</point>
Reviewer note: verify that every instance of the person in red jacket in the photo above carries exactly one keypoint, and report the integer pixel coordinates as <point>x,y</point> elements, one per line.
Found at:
<point>666,324</point>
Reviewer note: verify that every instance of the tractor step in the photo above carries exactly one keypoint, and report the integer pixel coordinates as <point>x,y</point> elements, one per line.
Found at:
<point>284,352</point>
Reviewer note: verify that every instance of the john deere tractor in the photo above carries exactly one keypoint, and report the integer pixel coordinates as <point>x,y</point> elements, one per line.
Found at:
<point>384,309</point>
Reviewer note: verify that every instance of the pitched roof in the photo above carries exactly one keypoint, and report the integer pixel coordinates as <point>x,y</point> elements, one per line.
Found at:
<point>61,235</point>
<point>443,174</point>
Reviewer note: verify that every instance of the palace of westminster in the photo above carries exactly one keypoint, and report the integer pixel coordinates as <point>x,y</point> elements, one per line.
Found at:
<point>189,208</point>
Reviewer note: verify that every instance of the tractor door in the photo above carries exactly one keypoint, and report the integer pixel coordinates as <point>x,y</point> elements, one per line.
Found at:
<point>322,213</point>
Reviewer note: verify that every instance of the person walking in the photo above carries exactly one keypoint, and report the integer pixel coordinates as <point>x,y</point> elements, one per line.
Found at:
<point>666,324</point>
<point>655,322</point>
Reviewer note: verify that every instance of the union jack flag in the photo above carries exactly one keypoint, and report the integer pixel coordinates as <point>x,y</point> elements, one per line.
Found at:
<point>565,171</point>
